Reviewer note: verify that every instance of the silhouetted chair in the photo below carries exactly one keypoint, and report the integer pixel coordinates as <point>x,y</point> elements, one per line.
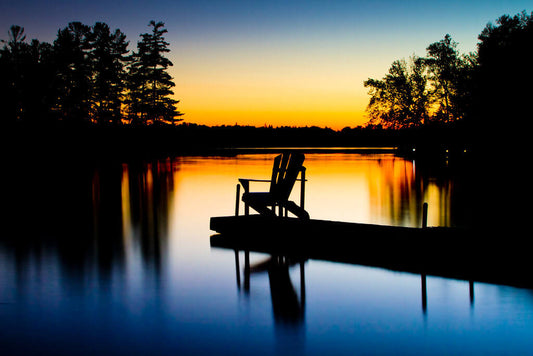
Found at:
<point>285,171</point>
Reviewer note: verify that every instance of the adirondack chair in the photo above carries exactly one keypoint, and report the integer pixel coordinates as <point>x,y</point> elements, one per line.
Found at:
<point>285,171</point>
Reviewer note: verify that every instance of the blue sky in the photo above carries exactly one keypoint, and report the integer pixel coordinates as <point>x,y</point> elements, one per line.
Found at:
<point>276,62</point>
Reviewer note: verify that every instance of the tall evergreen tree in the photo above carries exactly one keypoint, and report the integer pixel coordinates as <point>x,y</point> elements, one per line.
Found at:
<point>108,57</point>
<point>149,83</point>
<point>25,78</point>
<point>38,82</point>
<point>12,60</point>
<point>73,73</point>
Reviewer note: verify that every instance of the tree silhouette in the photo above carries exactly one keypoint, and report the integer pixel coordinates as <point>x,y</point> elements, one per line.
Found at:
<point>108,58</point>
<point>37,82</point>
<point>149,83</point>
<point>87,75</point>
<point>504,76</point>
<point>432,89</point>
<point>25,78</point>
<point>449,70</point>
<point>13,63</point>
<point>401,98</point>
<point>73,73</point>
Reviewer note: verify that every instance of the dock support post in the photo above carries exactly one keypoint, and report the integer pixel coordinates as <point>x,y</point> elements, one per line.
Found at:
<point>424,293</point>
<point>247,271</point>
<point>238,195</point>
<point>302,189</point>
<point>471,292</point>
<point>238,268</point>
<point>302,283</point>
<point>425,215</point>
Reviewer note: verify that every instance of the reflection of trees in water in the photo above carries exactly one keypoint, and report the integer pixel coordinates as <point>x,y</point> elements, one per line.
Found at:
<point>150,185</point>
<point>107,230</point>
<point>71,213</point>
<point>401,187</point>
<point>138,222</point>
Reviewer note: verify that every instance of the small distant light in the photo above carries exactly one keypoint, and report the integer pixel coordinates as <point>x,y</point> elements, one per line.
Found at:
<point>414,149</point>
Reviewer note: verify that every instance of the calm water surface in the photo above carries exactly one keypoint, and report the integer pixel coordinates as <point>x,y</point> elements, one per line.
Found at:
<point>114,258</point>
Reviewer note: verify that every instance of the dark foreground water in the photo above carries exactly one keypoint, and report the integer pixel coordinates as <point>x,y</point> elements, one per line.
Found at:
<point>114,259</point>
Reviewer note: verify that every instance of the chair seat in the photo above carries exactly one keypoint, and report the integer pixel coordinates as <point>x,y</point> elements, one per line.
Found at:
<point>260,202</point>
<point>264,198</point>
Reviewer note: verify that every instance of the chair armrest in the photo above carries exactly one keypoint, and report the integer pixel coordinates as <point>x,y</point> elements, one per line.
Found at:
<point>245,182</point>
<point>254,180</point>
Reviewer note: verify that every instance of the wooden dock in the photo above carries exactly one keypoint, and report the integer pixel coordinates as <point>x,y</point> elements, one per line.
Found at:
<point>449,252</point>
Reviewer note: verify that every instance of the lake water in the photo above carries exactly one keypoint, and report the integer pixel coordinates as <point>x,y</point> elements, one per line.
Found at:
<point>114,258</point>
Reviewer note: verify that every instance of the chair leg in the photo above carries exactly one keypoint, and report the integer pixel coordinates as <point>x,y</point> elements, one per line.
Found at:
<point>238,195</point>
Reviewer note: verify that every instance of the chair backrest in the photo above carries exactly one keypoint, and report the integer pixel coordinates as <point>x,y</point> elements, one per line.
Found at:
<point>286,168</point>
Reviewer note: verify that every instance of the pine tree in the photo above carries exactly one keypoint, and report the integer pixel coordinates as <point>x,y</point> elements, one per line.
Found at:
<point>149,84</point>
<point>25,72</point>
<point>108,59</point>
<point>73,73</point>
<point>12,65</point>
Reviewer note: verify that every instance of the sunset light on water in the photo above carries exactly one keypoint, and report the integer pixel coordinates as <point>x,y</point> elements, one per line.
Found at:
<point>142,277</point>
<point>296,177</point>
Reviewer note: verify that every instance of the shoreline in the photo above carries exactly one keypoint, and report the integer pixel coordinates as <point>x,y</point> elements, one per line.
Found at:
<point>190,139</point>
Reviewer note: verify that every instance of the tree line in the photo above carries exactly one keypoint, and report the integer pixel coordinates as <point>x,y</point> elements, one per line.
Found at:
<point>87,75</point>
<point>487,88</point>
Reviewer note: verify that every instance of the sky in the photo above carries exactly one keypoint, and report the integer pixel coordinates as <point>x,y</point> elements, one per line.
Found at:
<point>279,63</point>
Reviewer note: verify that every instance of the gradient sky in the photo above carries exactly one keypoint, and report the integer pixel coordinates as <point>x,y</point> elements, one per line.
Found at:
<point>297,63</point>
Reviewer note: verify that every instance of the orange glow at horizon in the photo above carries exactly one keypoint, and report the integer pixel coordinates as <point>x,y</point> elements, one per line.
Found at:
<point>260,88</point>
<point>259,118</point>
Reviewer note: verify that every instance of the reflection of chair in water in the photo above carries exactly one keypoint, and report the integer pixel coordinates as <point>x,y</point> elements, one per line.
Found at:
<point>287,306</point>
<point>285,302</point>
<point>285,172</point>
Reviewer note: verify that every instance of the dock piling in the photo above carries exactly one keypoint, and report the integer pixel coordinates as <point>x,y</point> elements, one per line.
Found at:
<point>424,293</point>
<point>425,215</point>
<point>237,200</point>
<point>302,189</point>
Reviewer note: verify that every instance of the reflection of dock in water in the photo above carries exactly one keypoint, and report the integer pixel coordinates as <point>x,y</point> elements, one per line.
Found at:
<point>447,252</point>
<point>289,306</point>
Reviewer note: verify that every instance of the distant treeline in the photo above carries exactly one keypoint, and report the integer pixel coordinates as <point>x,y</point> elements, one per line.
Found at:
<point>88,80</point>
<point>86,75</point>
<point>134,141</point>
<point>489,89</point>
